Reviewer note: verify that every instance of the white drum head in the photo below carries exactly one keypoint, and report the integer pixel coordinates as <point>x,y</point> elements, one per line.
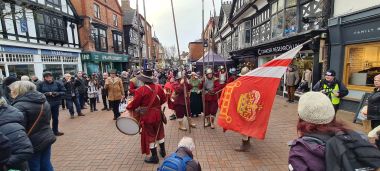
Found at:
<point>128,126</point>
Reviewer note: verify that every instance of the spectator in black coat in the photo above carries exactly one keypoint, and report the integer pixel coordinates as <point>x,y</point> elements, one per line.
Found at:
<point>71,95</point>
<point>104,91</point>
<point>82,89</point>
<point>54,91</point>
<point>11,127</point>
<point>5,148</point>
<point>33,103</point>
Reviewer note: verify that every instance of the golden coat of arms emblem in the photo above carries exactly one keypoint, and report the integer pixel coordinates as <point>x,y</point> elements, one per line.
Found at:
<point>248,105</point>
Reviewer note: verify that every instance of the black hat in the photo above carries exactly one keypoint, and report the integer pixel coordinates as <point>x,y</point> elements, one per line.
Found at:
<point>330,72</point>
<point>177,74</point>
<point>146,76</point>
<point>47,73</point>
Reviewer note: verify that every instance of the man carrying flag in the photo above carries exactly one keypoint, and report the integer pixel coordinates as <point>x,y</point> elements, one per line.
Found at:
<point>246,103</point>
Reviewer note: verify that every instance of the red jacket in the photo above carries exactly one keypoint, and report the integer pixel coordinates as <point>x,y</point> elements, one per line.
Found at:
<point>210,96</point>
<point>179,91</point>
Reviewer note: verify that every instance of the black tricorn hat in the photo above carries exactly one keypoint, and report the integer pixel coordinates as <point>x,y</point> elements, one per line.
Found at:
<point>146,76</point>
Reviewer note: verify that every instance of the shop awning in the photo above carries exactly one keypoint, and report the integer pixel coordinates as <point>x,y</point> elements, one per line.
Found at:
<point>103,57</point>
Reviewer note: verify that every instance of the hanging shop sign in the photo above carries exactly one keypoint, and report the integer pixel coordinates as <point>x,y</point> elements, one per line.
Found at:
<point>16,49</point>
<point>276,49</point>
<point>59,53</point>
<point>103,57</point>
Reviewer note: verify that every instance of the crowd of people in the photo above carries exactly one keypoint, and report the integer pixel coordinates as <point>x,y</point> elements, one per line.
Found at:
<point>29,105</point>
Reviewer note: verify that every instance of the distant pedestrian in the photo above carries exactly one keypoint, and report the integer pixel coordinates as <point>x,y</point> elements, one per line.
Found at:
<point>37,114</point>
<point>125,78</point>
<point>332,88</point>
<point>115,88</point>
<point>82,89</point>
<point>12,130</point>
<point>35,80</point>
<point>104,91</point>
<point>195,96</point>
<point>292,79</point>
<point>25,78</point>
<point>183,158</point>
<point>54,92</point>
<point>71,95</point>
<point>92,93</point>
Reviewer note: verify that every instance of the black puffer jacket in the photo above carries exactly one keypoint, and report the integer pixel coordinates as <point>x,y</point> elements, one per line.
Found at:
<point>374,105</point>
<point>5,148</point>
<point>30,105</point>
<point>11,126</point>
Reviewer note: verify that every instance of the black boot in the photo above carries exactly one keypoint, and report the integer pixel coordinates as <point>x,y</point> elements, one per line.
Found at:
<point>154,158</point>
<point>162,150</point>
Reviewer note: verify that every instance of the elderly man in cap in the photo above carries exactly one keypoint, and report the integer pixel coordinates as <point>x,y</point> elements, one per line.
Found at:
<point>104,91</point>
<point>135,83</point>
<point>332,88</point>
<point>147,105</point>
<point>115,88</point>
<point>54,91</point>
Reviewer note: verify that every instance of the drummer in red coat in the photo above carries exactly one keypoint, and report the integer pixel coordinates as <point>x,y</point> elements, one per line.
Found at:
<point>211,87</point>
<point>150,117</point>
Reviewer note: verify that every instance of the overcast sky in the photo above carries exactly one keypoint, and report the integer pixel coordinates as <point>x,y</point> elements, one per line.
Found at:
<point>188,17</point>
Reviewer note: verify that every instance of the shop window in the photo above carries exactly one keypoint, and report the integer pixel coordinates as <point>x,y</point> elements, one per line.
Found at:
<point>118,43</point>
<point>50,27</point>
<point>362,64</point>
<point>71,69</point>
<point>56,70</point>
<point>20,70</point>
<point>96,10</point>
<point>100,38</point>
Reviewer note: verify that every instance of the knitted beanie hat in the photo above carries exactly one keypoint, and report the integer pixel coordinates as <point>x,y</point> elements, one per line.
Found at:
<point>316,108</point>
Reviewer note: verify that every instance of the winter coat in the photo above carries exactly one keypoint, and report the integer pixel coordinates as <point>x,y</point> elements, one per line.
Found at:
<point>115,88</point>
<point>307,154</point>
<point>11,126</point>
<point>82,85</point>
<point>373,112</point>
<point>30,105</point>
<point>71,88</point>
<point>55,87</point>
<point>5,148</point>
<point>292,78</point>
<point>102,84</point>
<point>192,165</point>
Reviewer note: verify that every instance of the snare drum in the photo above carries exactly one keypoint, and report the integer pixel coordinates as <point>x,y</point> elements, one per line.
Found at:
<point>128,125</point>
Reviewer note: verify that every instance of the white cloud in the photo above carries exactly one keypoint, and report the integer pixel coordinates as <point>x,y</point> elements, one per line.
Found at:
<point>188,17</point>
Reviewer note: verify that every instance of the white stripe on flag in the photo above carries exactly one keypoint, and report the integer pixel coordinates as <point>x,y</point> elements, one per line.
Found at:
<point>274,72</point>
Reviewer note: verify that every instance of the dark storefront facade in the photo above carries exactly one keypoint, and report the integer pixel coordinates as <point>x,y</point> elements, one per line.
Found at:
<point>97,62</point>
<point>355,52</point>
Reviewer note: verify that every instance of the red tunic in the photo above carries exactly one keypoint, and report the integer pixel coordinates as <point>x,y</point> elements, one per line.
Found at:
<point>169,88</point>
<point>217,87</point>
<point>179,101</point>
<point>150,122</point>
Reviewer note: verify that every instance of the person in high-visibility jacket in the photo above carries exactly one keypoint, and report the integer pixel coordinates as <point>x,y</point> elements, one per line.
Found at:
<point>332,88</point>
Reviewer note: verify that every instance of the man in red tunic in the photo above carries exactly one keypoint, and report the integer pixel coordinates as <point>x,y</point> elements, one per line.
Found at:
<point>147,103</point>
<point>233,75</point>
<point>211,87</point>
<point>181,99</point>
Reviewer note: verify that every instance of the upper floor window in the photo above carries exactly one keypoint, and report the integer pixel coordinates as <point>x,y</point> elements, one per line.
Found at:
<point>100,38</point>
<point>50,27</point>
<point>114,18</point>
<point>96,10</point>
<point>53,2</point>
<point>118,42</point>
<point>277,18</point>
<point>247,33</point>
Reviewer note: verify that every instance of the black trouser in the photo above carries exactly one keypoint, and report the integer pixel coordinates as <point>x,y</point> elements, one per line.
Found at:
<point>93,103</point>
<point>115,107</point>
<point>104,99</point>
<point>63,104</point>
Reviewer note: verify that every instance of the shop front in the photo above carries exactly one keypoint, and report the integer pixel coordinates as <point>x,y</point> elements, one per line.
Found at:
<point>31,60</point>
<point>355,52</point>
<point>98,62</point>
<point>307,59</point>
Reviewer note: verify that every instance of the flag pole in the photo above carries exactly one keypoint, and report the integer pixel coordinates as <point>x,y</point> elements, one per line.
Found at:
<point>203,66</point>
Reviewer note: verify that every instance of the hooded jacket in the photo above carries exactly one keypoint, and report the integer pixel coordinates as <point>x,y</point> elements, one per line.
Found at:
<point>30,105</point>
<point>11,127</point>
<point>307,154</point>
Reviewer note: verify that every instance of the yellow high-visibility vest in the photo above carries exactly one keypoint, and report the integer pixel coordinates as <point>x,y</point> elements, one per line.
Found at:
<point>334,99</point>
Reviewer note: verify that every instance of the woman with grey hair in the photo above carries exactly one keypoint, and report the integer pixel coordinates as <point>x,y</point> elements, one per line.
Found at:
<point>184,154</point>
<point>36,110</point>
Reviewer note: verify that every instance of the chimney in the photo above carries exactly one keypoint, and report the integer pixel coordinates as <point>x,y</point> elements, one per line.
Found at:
<point>125,5</point>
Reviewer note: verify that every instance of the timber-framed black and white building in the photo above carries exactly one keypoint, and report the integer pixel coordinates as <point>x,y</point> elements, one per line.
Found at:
<point>38,36</point>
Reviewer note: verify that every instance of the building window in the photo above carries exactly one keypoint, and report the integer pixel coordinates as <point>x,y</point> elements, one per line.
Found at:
<point>247,27</point>
<point>100,38</point>
<point>313,8</point>
<point>114,17</point>
<point>96,10</point>
<point>20,70</point>
<point>55,69</point>
<point>50,27</point>
<point>53,2</point>
<point>118,43</point>
<point>362,64</point>
<point>277,19</point>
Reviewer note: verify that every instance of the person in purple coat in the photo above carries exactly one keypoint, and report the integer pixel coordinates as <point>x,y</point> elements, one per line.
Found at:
<point>316,116</point>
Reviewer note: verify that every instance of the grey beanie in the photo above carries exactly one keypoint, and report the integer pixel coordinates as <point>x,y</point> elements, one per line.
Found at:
<point>316,108</point>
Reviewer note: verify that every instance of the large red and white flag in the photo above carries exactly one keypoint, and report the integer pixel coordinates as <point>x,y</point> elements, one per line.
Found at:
<point>246,103</point>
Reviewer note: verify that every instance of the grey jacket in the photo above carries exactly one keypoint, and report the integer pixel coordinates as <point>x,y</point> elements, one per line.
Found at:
<point>292,78</point>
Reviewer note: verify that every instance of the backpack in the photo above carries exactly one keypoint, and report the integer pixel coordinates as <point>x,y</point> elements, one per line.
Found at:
<point>175,162</point>
<point>349,151</point>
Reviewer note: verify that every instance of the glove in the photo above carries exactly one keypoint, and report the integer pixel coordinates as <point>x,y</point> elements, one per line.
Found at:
<point>48,94</point>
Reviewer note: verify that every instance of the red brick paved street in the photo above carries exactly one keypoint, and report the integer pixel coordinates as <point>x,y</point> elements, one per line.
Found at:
<point>93,143</point>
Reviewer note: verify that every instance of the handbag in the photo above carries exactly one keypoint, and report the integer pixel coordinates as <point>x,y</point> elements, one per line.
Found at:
<point>123,105</point>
